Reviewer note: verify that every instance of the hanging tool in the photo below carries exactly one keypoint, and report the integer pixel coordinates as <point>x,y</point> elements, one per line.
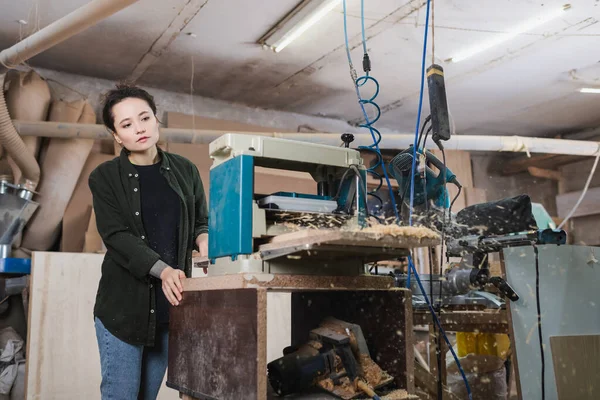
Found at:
<point>438,103</point>
<point>401,167</point>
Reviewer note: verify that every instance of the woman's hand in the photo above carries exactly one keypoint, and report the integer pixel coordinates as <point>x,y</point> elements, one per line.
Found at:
<point>172,284</point>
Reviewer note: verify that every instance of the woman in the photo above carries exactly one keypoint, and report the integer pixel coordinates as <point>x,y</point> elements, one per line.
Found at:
<point>151,212</point>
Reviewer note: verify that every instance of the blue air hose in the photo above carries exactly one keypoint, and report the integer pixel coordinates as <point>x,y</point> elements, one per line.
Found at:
<point>375,134</point>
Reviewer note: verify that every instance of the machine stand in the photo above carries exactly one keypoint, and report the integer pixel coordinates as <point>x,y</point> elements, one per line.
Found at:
<point>218,338</point>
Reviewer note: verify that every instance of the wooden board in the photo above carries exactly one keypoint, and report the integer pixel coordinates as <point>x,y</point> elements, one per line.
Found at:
<point>576,362</point>
<point>63,360</point>
<point>458,162</point>
<point>287,282</point>
<point>352,238</point>
<point>590,204</point>
<point>467,321</point>
<point>385,318</point>
<point>217,345</point>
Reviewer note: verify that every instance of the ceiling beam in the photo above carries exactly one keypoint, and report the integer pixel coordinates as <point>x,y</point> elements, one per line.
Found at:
<point>544,173</point>
<point>160,45</point>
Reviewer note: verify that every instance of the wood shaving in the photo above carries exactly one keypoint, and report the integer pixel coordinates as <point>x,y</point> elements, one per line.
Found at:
<point>399,395</point>
<point>394,230</point>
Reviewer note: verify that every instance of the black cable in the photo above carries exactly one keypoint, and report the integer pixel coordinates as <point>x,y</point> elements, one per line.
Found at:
<point>454,200</point>
<point>426,135</point>
<point>406,186</point>
<point>422,129</point>
<point>539,317</point>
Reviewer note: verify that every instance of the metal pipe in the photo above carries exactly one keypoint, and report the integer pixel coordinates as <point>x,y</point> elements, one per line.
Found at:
<point>390,141</point>
<point>60,30</point>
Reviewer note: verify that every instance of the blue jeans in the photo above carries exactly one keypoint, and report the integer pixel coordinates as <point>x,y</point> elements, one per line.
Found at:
<point>131,372</point>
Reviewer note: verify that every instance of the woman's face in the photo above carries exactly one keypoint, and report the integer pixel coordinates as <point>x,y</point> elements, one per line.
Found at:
<point>136,125</point>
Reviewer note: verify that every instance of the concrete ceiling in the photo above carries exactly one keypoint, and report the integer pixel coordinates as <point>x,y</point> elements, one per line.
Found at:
<point>527,86</point>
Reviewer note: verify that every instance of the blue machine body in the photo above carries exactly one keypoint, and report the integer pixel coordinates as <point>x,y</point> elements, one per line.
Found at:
<point>230,218</point>
<point>231,205</point>
<point>428,187</point>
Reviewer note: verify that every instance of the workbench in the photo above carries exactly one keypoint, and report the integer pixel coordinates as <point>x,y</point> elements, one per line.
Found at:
<point>218,333</point>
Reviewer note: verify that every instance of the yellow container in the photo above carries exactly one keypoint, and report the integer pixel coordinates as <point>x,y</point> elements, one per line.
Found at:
<point>494,344</point>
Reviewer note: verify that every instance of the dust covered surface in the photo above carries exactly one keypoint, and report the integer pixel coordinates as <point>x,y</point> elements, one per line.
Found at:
<point>400,394</point>
<point>213,344</point>
<point>289,282</point>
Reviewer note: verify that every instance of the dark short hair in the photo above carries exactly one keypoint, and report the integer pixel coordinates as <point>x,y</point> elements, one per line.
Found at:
<point>117,95</point>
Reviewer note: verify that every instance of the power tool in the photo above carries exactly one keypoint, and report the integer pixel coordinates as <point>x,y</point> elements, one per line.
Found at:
<point>336,360</point>
<point>429,185</point>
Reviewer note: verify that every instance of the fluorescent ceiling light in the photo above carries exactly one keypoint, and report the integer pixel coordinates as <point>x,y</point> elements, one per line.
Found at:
<point>298,21</point>
<point>590,90</point>
<point>514,32</point>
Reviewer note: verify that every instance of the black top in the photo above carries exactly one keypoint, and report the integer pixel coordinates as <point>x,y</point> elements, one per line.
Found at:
<point>126,299</point>
<point>160,216</point>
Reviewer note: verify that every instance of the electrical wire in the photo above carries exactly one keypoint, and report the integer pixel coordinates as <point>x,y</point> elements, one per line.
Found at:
<point>428,119</point>
<point>439,325</point>
<point>454,200</point>
<point>375,134</point>
<point>412,183</point>
<point>412,193</point>
<point>585,189</point>
<point>539,317</point>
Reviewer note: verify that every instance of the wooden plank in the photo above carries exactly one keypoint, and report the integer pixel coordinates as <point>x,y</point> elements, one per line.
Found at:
<point>288,282</point>
<point>408,237</point>
<point>590,204</point>
<point>62,350</point>
<point>459,162</point>
<point>381,316</point>
<point>576,362</point>
<point>466,321</point>
<point>547,161</point>
<point>215,349</point>
<point>545,173</point>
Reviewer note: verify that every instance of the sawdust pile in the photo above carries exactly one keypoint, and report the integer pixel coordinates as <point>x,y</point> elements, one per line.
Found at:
<point>394,230</point>
<point>399,395</point>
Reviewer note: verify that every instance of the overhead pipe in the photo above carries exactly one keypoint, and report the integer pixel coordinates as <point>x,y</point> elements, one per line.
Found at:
<point>60,30</point>
<point>14,145</point>
<point>390,141</point>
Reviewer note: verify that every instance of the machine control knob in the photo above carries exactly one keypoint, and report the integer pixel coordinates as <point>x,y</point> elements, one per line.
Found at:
<point>347,138</point>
